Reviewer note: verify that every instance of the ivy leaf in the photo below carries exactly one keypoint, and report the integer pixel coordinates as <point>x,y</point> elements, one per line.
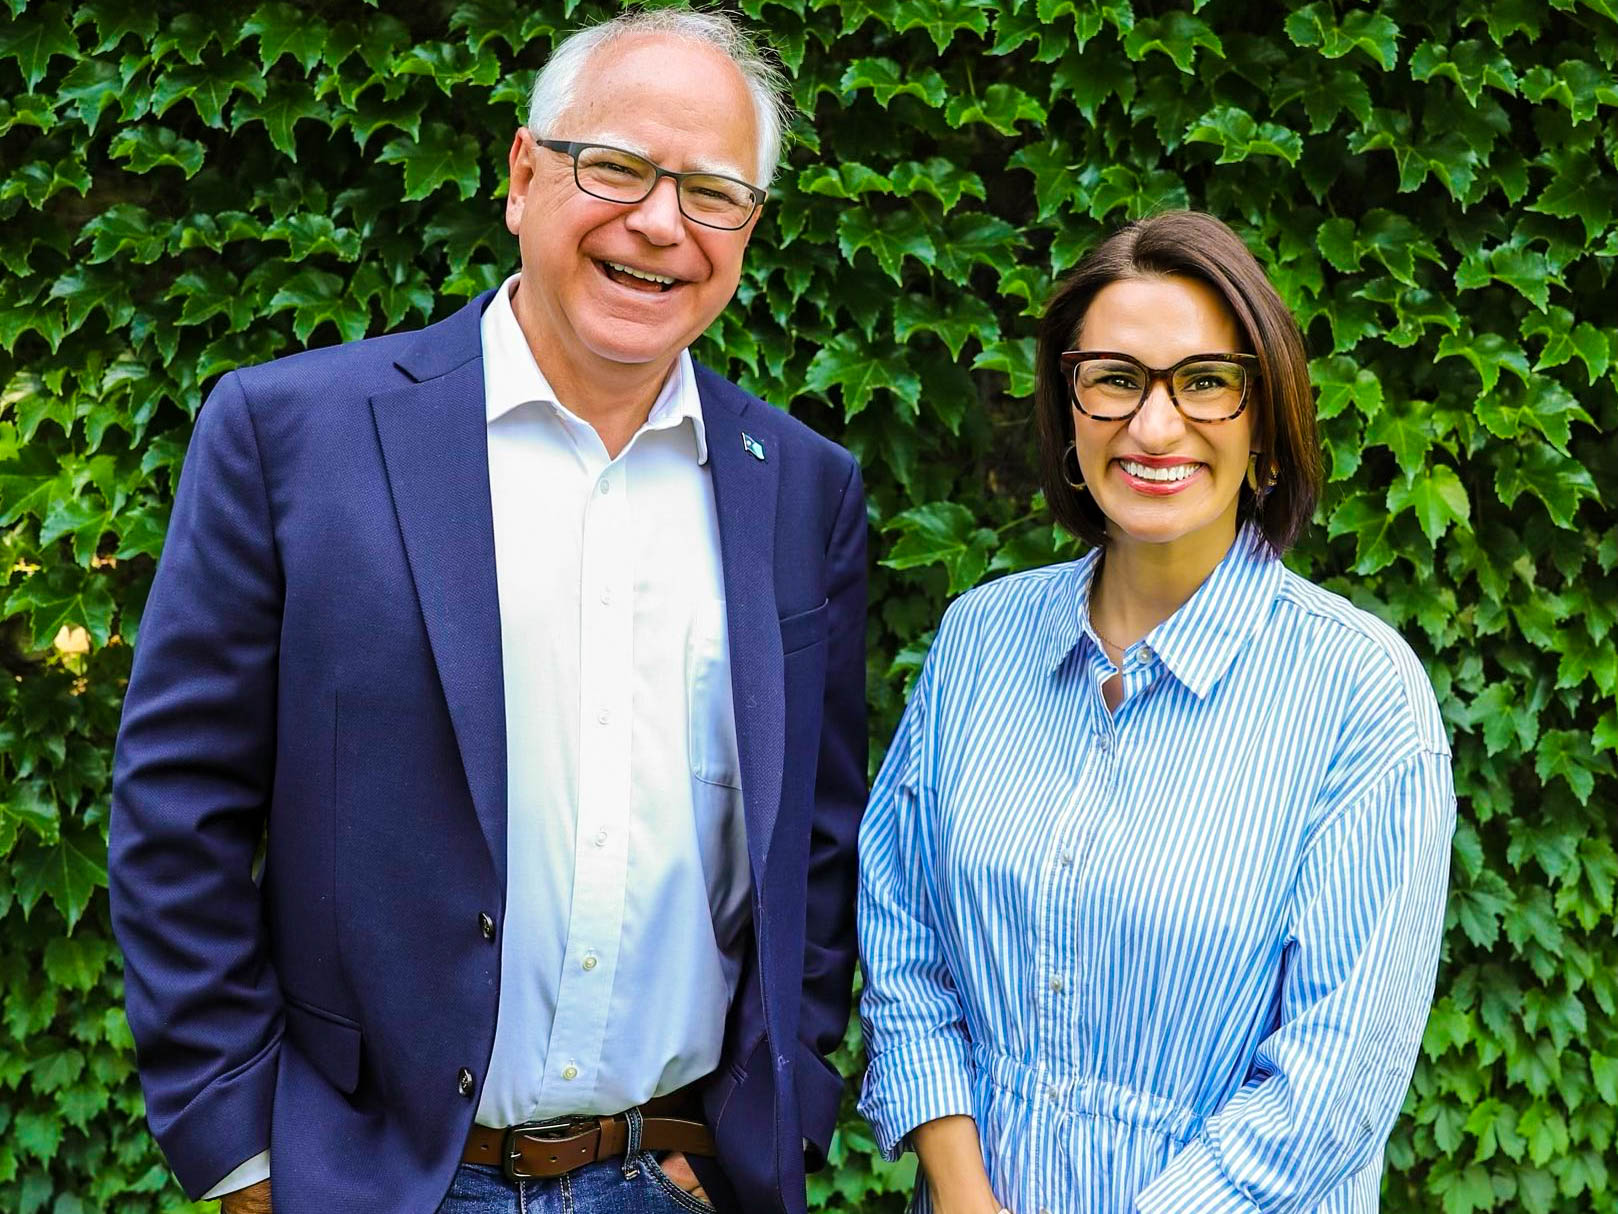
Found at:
<point>848,179</point>
<point>63,598</point>
<point>147,148</point>
<point>439,157</point>
<point>280,109</point>
<point>1239,136</point>
<point>1014,358</point>
<point>317,297</point>
<point>886,81</point>
<point>945,181</point>
<point>1470,64</point>
<point>91,86</point>
<point>976,238</point>
<point>941,19</point>
<point>1488,353</point>
<point>1341,380</point>
<point>69,871</point>
<point>1369,522</point>
<point>1566,339</point>
<point>1439,499</point>
<point>123,229</point>
<point>1557,480</point>
<point>1324,92</point>
<point>1579,189</point>
<point>1315,25</point>
<point>859,370</point>
<point>890,238</point>
<point>954,321</point>
<point>1055,175</point>
<point>941,533</point>
<point>116,20</point>
<point>76,963</point>
<point>1575,84</point>
<point>34,42</point>
<point>208,88</point>
<point>1002,107</point>
<point>1177,35</point>
<point>282,29</point>
<point>29,804</point>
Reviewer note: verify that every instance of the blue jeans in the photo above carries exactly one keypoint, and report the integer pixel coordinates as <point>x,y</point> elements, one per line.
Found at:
<point>633,1184</point>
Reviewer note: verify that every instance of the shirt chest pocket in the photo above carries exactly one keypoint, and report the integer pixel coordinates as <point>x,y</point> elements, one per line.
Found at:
<point>710,707</point>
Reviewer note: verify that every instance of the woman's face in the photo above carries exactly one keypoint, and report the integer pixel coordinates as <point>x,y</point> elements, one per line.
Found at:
<point>1160,320</point>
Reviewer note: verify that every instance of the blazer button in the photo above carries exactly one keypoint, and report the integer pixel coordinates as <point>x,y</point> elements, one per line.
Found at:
<point>486,925</point>
<point>463,1082</point>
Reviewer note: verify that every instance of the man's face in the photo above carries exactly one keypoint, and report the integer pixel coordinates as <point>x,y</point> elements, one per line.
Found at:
<point>683,106</point>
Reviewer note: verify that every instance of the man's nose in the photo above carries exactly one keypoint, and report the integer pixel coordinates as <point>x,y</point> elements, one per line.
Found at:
<point>657,217</point>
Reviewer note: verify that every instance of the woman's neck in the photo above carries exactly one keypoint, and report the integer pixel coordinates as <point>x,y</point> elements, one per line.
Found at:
<point>1139,585</point>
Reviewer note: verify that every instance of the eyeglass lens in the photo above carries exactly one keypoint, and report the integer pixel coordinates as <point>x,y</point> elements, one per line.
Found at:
<point>1206,390</point>
<point>623,177</point>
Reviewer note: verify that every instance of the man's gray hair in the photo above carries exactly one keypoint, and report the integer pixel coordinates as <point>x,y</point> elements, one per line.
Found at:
<point>556,86</point>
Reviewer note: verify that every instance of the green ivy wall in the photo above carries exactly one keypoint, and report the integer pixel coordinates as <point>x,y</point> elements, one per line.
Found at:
<point>186,187</point>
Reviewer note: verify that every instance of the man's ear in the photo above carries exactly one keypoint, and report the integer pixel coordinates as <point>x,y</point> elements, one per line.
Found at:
<point>520,166</point>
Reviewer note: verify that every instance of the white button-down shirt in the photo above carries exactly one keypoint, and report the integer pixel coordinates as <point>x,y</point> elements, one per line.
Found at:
<point>628,888</point>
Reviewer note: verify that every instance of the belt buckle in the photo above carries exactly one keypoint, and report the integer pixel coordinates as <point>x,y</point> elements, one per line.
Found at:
<point>553,1129</point>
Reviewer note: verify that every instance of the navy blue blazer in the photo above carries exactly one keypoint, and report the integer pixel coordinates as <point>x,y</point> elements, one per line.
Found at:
<point>318,672</point>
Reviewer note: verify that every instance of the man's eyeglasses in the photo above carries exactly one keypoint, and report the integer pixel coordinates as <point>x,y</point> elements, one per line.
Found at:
<point>711,199</point>
<point>1111,387</point>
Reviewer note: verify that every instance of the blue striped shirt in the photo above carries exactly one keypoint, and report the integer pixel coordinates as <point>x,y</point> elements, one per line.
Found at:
<point>1176,959</point>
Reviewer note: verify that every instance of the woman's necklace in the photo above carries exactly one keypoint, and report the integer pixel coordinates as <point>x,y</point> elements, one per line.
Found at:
<point>1105,639</point>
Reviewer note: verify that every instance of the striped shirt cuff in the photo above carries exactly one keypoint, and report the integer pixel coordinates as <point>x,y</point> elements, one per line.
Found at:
<point>1193,1183</point>
<point>914,1082</point>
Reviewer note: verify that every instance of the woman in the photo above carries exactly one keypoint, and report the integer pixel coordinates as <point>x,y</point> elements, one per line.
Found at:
<point>1152,879</point>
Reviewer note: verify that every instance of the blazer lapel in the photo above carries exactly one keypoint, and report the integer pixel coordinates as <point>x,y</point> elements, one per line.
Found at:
<point>744,493</point>
<point>434,443</point>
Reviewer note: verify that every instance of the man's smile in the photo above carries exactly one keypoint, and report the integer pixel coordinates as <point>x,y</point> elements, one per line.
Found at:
<point>639,280</point>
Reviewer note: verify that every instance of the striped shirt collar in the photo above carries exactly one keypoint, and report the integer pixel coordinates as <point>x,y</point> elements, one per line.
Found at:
<point>519,381</point>
<point>1198,643</point>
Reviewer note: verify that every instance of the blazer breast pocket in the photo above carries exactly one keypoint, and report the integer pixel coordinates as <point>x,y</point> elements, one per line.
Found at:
<point>804,628</point>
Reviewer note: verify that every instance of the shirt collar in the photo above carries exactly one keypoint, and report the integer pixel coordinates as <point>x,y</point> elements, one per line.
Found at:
<point>1198,642</point>
<point>512,377</point>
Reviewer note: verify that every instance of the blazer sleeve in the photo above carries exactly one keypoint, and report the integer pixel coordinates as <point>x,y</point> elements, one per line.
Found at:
<point>919,1065</point>
<point>829,953</point>
<point>1324,1088</point>
<point>191,786</point>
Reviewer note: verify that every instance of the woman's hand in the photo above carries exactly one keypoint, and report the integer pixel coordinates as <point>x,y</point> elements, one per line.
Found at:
<point>952,1161</point>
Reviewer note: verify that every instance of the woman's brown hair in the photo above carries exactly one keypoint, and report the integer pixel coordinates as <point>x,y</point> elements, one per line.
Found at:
<point>1193,245</point>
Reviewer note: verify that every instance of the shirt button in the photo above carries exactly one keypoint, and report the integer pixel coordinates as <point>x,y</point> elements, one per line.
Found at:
<point>589,962</point>
<point>1067,859</point>
<point>1056,984</point>
<point>606,598</point>
<point>605,486</point>
<point>486,925</point>
<point>1145,655</point>
<point>570,1072</point>
<point>603,716</point>
<point>1051,1095</point>
<point>463,1082</point>
<point>601,838</point>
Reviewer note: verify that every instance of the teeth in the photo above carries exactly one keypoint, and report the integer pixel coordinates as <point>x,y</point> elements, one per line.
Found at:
<point>659,279</point>
<point>1174,472</point>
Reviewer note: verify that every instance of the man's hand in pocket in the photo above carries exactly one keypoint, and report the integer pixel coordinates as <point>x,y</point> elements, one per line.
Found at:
<point>254,1199</point>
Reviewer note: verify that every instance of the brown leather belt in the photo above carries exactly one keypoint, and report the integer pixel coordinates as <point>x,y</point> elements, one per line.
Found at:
<point>542,1150</point>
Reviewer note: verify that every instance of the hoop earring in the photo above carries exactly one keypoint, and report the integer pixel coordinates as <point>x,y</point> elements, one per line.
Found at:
<point>1264,488</point>
<point>1076,485</point>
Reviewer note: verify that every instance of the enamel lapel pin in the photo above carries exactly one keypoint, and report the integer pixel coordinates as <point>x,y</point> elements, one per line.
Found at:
<point>752,446</point>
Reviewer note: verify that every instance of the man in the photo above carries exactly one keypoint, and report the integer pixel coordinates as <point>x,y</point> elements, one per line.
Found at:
<point>532,654</point>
